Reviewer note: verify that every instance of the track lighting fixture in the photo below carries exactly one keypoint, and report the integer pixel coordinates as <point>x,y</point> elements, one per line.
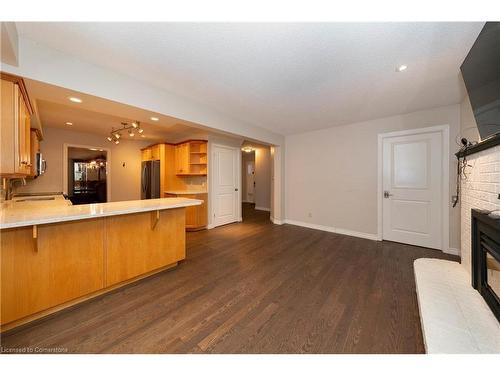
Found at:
<point>130,128</point>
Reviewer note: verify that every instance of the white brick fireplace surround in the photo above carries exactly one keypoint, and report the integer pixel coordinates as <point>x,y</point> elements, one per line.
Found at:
<point>454,316</point>
<point>480,190</point>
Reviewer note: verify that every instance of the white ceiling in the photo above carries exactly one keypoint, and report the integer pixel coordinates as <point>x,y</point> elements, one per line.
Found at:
<point>99,116</point>
<point>281,76</point>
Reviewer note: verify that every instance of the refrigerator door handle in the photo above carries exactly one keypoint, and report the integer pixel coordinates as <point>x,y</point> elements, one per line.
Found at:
<point>143,179</point>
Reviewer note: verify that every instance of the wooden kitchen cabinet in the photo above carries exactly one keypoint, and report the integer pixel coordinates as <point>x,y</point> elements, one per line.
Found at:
<point>156,152</point>
<point>146,154</point>
<point>43,272</point>
<point>49,267</point>
<point>35,148</point>
<point>15,131</point>
<point>182,158</point>
<point>191,158</point>
<point>196,216</point>
<point>152,152</point>
<point>140,243</point>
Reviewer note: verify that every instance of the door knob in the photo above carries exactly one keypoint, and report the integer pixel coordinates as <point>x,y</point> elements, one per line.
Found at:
<point>387,194</point>
<point>236,189</point>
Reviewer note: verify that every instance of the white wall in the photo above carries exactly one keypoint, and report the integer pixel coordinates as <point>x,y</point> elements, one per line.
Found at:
<point>468,126</point>
<point>125,180</point>
<point>263,178</point>
<point>331,174</point>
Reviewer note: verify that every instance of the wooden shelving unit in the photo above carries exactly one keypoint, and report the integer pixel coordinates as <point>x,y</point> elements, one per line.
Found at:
<point>191,158</point>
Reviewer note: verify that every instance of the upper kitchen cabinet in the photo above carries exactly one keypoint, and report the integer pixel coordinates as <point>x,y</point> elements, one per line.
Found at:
<point>153,152</point>
<point>15,134</point>
<point>35,149</point>
<point>191,158</point>
<point>182,158</point>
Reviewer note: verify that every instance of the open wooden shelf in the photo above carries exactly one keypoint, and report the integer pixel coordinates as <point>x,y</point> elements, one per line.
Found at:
<point>191,158</point>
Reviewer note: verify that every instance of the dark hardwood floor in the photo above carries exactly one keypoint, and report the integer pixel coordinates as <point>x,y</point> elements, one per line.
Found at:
<point>253,287</point>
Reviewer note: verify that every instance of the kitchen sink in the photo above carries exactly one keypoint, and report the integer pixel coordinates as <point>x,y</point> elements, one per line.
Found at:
<point>35,199</point>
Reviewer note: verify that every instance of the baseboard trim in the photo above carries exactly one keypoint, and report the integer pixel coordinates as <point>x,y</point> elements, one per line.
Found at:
<point>262,208</point>
<point>325,228</point>
<point>452,251</point>
<point>276,221</point>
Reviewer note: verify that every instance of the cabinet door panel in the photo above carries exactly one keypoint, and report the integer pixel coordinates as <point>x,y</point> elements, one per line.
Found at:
<point>191,221</point>
<point>155,152</point>
<point>21,133</point>
<point>182,158</point>
<point>67,265</point>
<point>8,128</point>
<point>27,144</point>
<point>35,148</point>
<point>146,154</point>
<point>196,216</point>
<point>136,245</point>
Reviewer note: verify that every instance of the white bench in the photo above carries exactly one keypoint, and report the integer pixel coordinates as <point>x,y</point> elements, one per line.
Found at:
<point>453,315</point>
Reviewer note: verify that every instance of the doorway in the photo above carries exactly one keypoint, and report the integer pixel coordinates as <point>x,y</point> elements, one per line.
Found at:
<point>248,176</point>
<point>413,187</point>
<point>256,179</point>
<point>225,185</point>
<point>86,177</point>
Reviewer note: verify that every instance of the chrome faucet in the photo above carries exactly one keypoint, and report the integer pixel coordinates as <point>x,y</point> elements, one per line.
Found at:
<point>8,187</point>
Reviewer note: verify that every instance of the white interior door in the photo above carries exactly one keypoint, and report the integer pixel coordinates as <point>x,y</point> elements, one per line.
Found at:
<point>250,180</point>
<point>412,188</point>
<point>225,181</point>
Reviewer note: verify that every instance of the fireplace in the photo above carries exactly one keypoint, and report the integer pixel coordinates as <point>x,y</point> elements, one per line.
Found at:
<point>486,258</point>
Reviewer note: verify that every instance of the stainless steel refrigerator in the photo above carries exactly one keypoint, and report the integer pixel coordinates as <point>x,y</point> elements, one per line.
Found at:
<point>150,179</point>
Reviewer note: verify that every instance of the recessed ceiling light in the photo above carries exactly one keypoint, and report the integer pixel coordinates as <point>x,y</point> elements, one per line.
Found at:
<point>93,149</point>
<point>155,119</point>
<point>401,68</point>
<point>75,99</point>
<point>69,123</point>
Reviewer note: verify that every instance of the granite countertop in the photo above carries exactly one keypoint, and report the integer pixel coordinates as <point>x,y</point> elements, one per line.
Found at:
<point>19,214</point>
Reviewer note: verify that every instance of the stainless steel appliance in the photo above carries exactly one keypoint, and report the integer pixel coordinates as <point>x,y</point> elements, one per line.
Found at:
<point>150,179</point>
<point>41,164</point>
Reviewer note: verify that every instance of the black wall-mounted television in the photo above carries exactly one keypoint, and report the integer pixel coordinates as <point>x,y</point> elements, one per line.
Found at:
<point>481,73</point>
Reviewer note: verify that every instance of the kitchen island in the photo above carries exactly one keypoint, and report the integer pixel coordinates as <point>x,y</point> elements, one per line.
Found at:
<point>55,255</point>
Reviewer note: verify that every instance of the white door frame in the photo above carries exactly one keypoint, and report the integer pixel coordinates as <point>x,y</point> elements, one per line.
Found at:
<point>211,190</point>
<point>445,136</point>
<point>108,167</point>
